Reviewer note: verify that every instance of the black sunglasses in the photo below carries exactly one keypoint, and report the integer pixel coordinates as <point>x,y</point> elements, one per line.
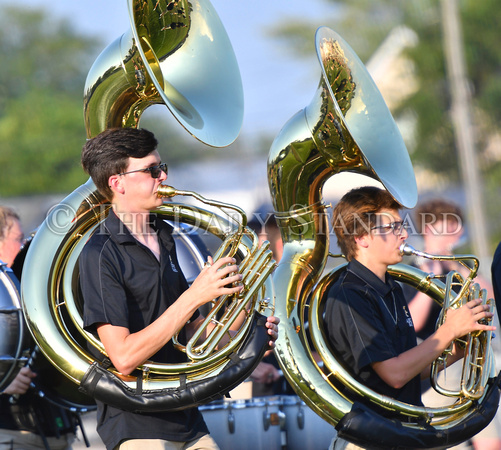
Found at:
<point>155,171</point>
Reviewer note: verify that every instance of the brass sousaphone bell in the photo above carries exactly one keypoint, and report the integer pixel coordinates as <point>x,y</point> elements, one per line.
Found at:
<point>347,127</point>
<point>177,54</point>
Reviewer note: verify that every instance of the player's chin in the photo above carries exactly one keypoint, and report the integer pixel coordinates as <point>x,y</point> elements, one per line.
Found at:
<point>398,258</point>
<point>154,203</point>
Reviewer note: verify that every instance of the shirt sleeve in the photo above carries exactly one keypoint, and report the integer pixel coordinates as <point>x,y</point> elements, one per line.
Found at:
<point>103,290</point>
<point>356,328</point>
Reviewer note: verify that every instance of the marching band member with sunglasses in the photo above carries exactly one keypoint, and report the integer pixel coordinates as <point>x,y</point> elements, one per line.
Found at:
<point>367,319</point>
<point>135,294</point>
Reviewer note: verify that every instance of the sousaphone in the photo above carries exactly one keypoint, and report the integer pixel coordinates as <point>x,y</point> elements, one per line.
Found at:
<point>177,54</point>
<point>347,127</point>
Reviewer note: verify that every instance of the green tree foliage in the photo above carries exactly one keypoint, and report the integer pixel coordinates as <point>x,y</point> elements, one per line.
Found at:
<point>42,78</point>
<point>43,70</point>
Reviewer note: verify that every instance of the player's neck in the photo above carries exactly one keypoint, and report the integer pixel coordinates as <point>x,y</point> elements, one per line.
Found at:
<point>377,268</point>
<point>138,223</point>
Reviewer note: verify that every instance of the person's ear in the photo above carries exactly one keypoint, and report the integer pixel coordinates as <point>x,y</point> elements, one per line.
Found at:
<point>116,185</point>
<point>362,241</point>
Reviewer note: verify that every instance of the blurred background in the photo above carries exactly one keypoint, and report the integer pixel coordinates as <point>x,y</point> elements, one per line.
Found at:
<point>436,62</point>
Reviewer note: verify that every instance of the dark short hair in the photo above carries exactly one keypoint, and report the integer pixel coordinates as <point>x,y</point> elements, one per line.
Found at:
<point>355,214</point>
<point>108,153</point>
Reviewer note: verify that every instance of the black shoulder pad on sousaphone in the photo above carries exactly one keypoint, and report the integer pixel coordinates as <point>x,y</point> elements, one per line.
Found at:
<point>106,387</point>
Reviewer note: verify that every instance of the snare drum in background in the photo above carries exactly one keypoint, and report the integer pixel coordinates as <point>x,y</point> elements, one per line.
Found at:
<point>305,429</point>
<point>267,423</point>
<point>247,424</point>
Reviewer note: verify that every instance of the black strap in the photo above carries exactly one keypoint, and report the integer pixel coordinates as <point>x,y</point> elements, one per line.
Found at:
<point>182,381</point>
<point>139,385</point>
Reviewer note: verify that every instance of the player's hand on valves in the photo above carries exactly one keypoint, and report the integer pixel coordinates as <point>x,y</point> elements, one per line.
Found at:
<point>466,319</point>
<point>218,278</point>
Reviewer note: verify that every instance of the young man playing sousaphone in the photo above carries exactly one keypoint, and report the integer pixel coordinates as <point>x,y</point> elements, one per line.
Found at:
<point>367,318</point>
<point>135,295</point>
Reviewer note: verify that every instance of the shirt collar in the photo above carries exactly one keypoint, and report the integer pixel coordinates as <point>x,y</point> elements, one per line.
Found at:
<point>121,234</point>
<point>371,278</point>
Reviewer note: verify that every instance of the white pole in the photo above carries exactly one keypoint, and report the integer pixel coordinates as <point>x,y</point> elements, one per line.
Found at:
<point>465,133</point>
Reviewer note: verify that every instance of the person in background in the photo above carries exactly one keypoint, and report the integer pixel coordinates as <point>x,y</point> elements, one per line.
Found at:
<point>27,421</point>
<point>440,223</point>
<point>367,322</point>
<point>135,294</point>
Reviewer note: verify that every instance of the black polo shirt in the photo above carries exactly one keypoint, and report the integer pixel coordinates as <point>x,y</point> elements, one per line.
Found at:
<point>368,321</point>
<point>430,325</point>
<point>125,285</point>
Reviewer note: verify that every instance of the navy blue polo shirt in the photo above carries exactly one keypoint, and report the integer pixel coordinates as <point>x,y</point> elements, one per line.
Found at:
<point>124,284</point>
<point>368,321</point>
